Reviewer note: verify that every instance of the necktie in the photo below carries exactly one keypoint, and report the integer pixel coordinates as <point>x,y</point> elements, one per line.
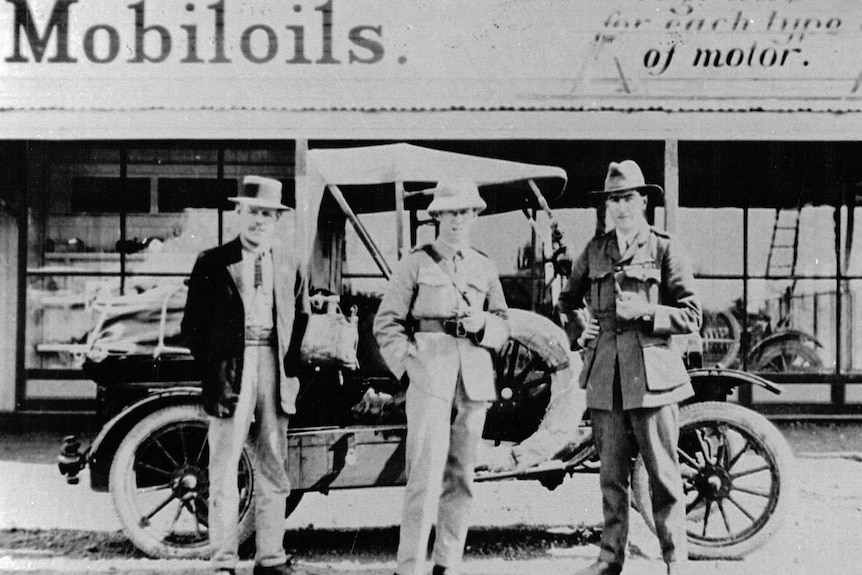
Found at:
<point>258,271</point>
<point>458,255</point>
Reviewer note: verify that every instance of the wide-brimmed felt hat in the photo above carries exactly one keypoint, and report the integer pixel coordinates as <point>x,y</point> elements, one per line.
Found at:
<point>626,176</point>
<point>453,195</point>
<point>261,192</point>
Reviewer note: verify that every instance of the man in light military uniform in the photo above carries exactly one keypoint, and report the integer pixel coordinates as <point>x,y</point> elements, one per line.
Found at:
<point>443,310</point>
<point>639,290</point>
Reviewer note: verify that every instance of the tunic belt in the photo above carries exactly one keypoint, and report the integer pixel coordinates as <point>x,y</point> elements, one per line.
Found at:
<point>450,326</point>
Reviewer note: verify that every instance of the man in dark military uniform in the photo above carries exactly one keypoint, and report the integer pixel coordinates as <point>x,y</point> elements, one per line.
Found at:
<point>636,288</point>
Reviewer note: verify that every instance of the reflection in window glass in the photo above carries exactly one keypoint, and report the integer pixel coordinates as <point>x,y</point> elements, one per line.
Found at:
<point>169,243</point>
<point>792,325</point>
<point>145,320</point>
<point>721,331</point>
<point>75,243</point>
<point>60,316</point>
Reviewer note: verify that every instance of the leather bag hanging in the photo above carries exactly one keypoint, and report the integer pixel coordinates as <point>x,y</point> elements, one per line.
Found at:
<point>330,337</point>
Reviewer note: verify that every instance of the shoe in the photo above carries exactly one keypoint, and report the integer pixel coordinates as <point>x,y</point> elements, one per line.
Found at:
<point>601,567</point>
<point>225,571</point>
<point>440,570</point>
<point>283,569</point>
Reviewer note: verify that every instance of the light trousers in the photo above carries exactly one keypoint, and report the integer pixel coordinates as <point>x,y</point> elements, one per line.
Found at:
<point>257,403</point>
<point>441,455</point>
<point>620,436</point>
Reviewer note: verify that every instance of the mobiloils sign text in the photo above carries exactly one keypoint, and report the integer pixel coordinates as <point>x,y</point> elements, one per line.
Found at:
<point>192,33</point>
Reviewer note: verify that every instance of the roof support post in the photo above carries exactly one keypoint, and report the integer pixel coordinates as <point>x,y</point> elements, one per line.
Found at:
<point>671,184</point>
<point>399,217</point>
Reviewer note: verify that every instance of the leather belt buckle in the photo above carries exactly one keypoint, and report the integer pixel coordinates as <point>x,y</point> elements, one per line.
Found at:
<point>454,328</point>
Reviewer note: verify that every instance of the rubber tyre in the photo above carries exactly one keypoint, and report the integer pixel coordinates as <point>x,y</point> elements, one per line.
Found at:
<point>753,443</point>
<point>164,459</point>
<point>722,335</point>
<point>784,356</point>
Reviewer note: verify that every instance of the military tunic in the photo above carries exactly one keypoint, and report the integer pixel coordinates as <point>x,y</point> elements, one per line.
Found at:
<point>420,289</point>
<point>651,370</point>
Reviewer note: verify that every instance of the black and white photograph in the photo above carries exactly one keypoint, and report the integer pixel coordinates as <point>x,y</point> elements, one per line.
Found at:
<point>363,287</point>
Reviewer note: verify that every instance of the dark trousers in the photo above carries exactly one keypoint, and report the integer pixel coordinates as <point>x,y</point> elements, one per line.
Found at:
<point>620,436</point>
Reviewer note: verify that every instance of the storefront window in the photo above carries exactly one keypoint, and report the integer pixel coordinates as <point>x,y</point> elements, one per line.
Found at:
<point>114,235</point>
<point>762,236</point>
<point>792,312</point>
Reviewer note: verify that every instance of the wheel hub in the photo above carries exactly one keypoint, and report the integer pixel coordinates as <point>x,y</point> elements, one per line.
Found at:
<point>714,482</point>
<point>187,482</point>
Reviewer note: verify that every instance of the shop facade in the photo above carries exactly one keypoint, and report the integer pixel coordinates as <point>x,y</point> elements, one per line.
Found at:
<point>112,183</point>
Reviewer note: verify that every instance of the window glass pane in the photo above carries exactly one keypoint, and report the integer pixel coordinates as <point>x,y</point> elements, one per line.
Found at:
<point>792,327</point>
<point>167,155</point>
<point>169,243</point>
<point>75,244</point>
<point>176,194</point>
<point>851,327</point>
<point>77,153</point>
<point>144,320</point>
<point>280,153</point>
<point>714,240</point>
<point>792,242</point>
<point>721,331</point>
<point>851,245</point>
<point>97,195</point>
<point>73,317</point>
<point>60,316</point>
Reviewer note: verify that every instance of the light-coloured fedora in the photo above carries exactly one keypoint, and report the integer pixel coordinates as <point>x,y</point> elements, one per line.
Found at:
<point>453,195</point>
<point>262,192</point>
<point>626,176</point>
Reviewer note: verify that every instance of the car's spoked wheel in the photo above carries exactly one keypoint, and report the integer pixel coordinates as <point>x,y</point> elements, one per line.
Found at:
<point>737,477</point>
<point>523,381</point>
<point>159,482</point>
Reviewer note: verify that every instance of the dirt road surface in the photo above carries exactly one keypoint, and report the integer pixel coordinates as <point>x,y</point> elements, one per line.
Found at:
<point>47,526</point>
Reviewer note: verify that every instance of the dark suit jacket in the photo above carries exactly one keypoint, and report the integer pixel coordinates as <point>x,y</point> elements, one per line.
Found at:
<point>214,325</point>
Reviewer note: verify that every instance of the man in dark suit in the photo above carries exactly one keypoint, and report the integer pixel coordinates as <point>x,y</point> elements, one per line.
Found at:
<point>238,323</point>
<point>638,290</point>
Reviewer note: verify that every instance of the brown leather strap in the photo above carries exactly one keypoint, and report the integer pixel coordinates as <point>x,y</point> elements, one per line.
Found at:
<point>438,259</point>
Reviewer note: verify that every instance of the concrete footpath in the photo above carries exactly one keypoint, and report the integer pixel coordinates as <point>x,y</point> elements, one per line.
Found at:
<point>820,535</point>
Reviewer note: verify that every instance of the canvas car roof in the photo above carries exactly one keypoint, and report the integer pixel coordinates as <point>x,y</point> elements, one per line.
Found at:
<point>410,163</point>
<point>358,171</point>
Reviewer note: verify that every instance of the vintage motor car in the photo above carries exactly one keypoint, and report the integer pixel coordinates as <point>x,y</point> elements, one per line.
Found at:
<point>151,452</point>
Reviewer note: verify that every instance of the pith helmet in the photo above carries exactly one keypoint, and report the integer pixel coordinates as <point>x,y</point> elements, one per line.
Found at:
<point>453,195</point>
